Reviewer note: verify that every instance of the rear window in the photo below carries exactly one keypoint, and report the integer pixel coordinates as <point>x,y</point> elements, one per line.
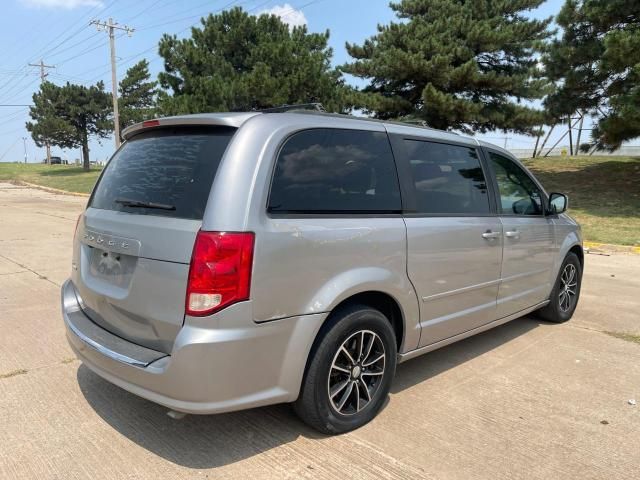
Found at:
<point>165,172</point>
<point>335,171</point>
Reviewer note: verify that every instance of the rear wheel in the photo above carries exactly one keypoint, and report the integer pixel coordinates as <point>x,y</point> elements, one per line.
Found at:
<point>350,371</point>
<point>566,291</point>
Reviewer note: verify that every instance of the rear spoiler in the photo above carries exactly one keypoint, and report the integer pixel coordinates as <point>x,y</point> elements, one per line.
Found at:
<point>231,119</point>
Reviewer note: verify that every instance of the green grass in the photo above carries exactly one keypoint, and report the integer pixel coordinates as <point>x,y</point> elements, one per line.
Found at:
<point>63,177</point>
<point>629,337</point>
<point>604,194</point>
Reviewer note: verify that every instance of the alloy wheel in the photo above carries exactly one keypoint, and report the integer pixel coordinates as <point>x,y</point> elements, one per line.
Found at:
<point>568,287</point>
<point>356,372</point>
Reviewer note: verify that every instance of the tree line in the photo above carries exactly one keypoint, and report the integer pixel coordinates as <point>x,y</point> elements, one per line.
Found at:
<point>464,65</point>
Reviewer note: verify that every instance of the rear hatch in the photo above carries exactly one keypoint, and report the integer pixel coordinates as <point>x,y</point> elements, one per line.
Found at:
<point>136,237</point>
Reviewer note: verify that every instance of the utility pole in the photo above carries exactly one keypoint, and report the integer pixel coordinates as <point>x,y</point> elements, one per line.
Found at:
<point>43,75</point>
<point>24,142</point>
<point>110,27</point>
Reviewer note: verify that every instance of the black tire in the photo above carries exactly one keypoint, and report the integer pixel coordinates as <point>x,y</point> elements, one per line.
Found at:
<point>559,310</point>
<point>329,365</point>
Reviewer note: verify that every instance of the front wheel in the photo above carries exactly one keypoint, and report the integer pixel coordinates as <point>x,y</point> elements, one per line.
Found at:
<point>350,371</point>
<point>566,291</point>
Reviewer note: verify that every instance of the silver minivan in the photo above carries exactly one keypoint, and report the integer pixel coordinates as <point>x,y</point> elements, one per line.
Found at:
<point>233,260</point>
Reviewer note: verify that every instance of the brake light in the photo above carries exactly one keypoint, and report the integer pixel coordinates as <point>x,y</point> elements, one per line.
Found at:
<point>151,123</point>
<point>220,271</point>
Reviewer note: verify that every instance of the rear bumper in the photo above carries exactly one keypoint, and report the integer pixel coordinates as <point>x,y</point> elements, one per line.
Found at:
<point>218,364</point>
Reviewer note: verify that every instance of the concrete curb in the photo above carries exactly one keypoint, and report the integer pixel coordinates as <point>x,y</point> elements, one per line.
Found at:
<point>608,248</point>
<point>49,189</point>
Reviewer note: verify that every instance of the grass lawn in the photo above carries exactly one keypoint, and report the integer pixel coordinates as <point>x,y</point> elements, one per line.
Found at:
<point>629,337</point>
<point>604,194</point>
<point>63,177</point>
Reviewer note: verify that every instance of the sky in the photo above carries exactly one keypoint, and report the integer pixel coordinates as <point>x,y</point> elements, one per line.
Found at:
<point>59,33</point>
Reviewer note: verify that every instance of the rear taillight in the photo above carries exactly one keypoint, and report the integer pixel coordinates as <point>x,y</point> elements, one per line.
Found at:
<point>220,272</point>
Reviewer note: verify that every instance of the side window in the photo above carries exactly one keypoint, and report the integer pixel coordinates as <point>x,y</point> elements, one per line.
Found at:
<point>519,195</point>
<point>335,171</point>
<point>448,179</point>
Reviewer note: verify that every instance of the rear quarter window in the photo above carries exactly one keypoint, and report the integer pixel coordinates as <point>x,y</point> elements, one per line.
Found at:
<point>171,167</point>
<point>328,170</point>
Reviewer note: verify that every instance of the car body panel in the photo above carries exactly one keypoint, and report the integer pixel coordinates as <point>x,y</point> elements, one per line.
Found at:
<point>448,281</point>
<point>455,272</point>
<point>218,366</point>
<point>527,261</point>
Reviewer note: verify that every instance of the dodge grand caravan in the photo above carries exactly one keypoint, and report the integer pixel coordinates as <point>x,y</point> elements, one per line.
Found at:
<point>233,260</point>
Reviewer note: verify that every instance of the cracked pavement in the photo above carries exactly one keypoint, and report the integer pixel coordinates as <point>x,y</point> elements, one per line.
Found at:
<point>525,400</point>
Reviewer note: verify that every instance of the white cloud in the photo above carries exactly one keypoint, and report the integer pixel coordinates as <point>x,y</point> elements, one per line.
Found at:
<point>67,4</point>
<point>288,14</point>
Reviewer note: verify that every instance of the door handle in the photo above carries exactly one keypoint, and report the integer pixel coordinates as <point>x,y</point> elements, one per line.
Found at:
<point>489,234</point>
<point>512,234</point>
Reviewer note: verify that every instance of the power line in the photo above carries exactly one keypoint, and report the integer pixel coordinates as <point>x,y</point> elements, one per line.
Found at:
<point>48,49</point>
<point>84,24</point>
<point>15,80</point>
<point>81,42</point>
<point>190,17</point>
<point>7,150</point>
<point>145,10</point>
<point>90,49</point>
<point>141,53</point>
<point>15,93</point>
<point>12,117</point>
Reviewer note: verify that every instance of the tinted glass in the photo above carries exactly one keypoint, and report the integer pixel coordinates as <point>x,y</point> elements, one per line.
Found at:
<point>519,195</point>
<point>330,170</point>
<point>448,179</point>
<point>172,168</point>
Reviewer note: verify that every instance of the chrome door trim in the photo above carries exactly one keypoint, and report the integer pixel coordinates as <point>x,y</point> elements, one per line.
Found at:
<point>524,274</point>
<point>462,290</point>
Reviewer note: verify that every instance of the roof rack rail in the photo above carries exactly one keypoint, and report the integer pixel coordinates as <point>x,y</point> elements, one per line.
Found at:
<point>317,106</point>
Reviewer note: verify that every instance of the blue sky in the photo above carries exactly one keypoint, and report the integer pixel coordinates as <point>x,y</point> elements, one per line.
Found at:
<point>58,31</point>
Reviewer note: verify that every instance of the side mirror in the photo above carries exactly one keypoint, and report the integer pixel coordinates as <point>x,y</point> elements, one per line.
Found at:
<point>558,203</point>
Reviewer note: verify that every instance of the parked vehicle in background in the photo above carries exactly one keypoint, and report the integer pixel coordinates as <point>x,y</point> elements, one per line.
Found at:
<point>56,161</point>
<point>233,260</point>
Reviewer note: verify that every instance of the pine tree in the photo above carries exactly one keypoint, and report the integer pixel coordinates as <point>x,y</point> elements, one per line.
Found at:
<point>596,64</point>
<point>67,116</point>
<point>137,99</point>
<point>454,64</point>
<point>237,61</point>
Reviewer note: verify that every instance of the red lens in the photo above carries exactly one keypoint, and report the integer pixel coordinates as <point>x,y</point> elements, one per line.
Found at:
<point>220,272</point>
<point>151,123</point>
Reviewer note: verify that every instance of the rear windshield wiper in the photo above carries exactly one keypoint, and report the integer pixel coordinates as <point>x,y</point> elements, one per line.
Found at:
<point>140,204</point>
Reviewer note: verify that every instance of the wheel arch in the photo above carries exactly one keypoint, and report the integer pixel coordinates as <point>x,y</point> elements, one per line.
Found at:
<point>578,250</point>
<point>382,301</point>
